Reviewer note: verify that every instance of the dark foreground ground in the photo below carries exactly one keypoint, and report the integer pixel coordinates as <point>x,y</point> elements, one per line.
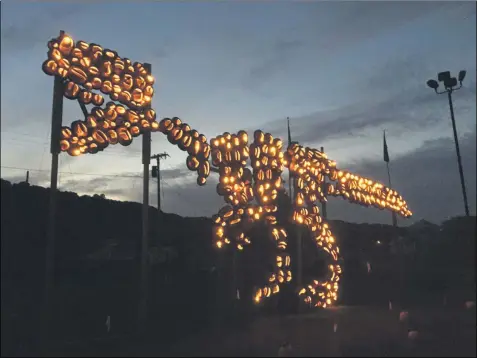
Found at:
<point>361,331</point>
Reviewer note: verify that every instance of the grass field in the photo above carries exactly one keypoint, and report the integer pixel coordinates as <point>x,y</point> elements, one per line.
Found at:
<point>361,331</point>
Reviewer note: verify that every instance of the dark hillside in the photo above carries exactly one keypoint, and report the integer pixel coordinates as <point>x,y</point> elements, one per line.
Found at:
<point>191,283</point>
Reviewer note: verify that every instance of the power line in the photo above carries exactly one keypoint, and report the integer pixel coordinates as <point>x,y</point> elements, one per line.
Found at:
<point>26,134</point>
<point>75,173</point>
<point>176,191</point>
<point>44,147</point>
<point>172,188</point>
<point>42,142</point>
<point>24,143</point>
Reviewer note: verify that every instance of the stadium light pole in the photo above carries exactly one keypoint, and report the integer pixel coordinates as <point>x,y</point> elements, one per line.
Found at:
<point>450,85</point>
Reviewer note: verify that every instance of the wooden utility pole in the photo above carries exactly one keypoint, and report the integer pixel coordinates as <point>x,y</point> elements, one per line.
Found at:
<point>56,122</point>
<point>144,266</point>
<point>158,158</point>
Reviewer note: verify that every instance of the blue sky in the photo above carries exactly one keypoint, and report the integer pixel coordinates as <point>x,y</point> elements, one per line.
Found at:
<point>342,71</point>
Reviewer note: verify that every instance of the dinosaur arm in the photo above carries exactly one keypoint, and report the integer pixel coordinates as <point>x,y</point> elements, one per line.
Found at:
<point>366,192</point>
<point>310,167</point>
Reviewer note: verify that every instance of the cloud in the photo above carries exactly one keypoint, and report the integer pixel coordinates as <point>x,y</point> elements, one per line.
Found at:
<point>353,23</point>
<point>410,71</point>
<point>159,53</point>
<point>38,22</point>
<point>427,178</point>
<point>413,110</point>
<point>273,59</point>
<point>93,185</point>
<point>176,173</point>
<point>394,93</point>
<point>183,197</point>
<point>328,37</point>
<point>390,76</point>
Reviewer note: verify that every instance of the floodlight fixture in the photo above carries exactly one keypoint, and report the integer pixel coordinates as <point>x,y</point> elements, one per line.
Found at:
<point>462,76</point>
<point>433,84</point>
<point>443,76</point>
<point>450,82</point>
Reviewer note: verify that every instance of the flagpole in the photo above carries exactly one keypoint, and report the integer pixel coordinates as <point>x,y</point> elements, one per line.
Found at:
<point>390,187</point>
<point>289,173</point>
<point>389,175</point>
<point>386,159</point>
<point>298,227</point>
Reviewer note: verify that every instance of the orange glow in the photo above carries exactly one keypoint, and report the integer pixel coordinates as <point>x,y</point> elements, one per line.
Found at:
<point>84,71</point>
<point>251,196</point>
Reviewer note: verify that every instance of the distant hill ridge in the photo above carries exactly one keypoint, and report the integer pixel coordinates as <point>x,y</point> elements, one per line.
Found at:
<point>87,224</point>
<point>116,219</point>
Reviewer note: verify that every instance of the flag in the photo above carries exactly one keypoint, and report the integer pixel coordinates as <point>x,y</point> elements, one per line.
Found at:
<point>289,132</point>
<point>386,154</point>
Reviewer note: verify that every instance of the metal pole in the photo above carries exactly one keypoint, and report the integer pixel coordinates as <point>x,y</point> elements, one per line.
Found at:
<point>300,257</point>
<point>459,161</point>
<point>145,237</point>
<point>290,176</point>
<point>146,154</point>
<point>390,187</point>
<point>323,204</point>
<point>292,184</point>
<point>394,237</point>
<point>234,279</point>
<point>299,252</point>
<point>27,176</point>
<point>158,185</point>
<point>56,121</point>
<point>299,281</point>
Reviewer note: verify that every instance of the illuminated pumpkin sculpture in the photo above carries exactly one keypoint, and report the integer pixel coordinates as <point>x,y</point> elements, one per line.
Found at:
<point>251,196</point>
<point>90,74</point>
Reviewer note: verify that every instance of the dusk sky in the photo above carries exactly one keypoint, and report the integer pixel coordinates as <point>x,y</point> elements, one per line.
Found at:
<point>342,71</point>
